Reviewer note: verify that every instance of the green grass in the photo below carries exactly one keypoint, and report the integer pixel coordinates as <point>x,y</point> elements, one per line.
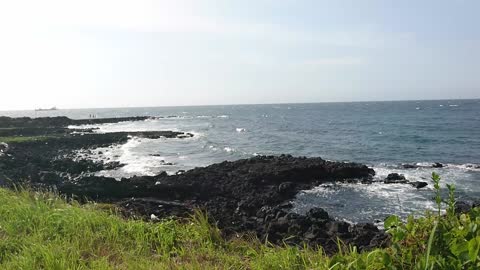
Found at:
<point>43,231</point>
<point>20,139</point>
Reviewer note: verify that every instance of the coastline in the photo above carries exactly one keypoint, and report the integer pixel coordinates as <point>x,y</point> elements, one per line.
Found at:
<point>250,195</point>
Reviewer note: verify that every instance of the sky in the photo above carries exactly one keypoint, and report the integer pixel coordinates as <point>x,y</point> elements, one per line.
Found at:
<point>133,53</point>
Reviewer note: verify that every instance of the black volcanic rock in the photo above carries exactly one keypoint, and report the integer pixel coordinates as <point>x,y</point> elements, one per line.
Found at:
<point>318,213</point>
<point>437,165</point>
<point>59,121</point>
<point>3,148</point>
<point>395,178</point>
<point>409,166</point>
<point>248,195</point>
<point>463,207</point>
<point>418,184</point>
<point>244,195</point>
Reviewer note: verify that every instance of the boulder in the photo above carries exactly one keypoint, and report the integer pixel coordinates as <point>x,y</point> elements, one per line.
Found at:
<point>395,178</point>
<point>418,184</point>
<point>247,195</point>
<point>3,148</point>
<point>409,166</point>
<point>462,207</point>
<point>285,187</point>
<point>317,213</point>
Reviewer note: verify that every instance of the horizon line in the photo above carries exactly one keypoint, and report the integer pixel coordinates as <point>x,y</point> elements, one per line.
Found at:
<point>247,104</point>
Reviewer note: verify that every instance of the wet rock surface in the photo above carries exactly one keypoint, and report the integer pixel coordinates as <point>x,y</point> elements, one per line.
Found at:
<point>248,195</point>
<point>395,178</point>
<point>418,184</point>
<point>60,121</point>
<point>3,148</point>
<point>437,165</point>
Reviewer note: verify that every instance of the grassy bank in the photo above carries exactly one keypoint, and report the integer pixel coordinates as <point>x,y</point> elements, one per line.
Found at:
<point>20,139</point>
<point>42,231</point>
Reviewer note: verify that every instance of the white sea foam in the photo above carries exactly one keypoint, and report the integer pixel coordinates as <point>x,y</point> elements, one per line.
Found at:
<point>365,202</point>
<point>196,135</point>
<point>466,167</point>
<point>368,202</point>
<point>142,156</point>
<point>176,117</point>
<point>130,126</point>
<point>229,149</point>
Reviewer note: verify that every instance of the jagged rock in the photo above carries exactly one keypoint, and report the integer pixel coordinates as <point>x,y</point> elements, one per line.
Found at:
<point>334,227</point>
<point>395,178</point>
<point>437,165</point>
<point>418,184</point>
<point>3,148</point>
<point>241,196</point>
<point>112,165</point>
<point>462,207</point>
<point>318,213</point>
<point>285,187</point>
<point>409,166</point>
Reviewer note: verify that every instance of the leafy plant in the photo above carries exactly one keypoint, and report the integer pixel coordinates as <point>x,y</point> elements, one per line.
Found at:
<point>41,230</point>
<point>438,195</point>
<point>447,242</point>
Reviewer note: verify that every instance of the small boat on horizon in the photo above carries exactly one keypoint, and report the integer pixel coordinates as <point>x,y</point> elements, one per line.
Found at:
<point>42,110</point>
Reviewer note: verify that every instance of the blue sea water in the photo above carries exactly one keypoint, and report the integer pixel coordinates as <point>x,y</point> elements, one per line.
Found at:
<point>383,135</point>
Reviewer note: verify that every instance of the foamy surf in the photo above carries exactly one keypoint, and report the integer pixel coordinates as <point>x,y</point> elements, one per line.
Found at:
<point>376,201</point>
<point>130,126</point>
<point>343,132</point>
<point>229,149</point>
<point>365,202</point>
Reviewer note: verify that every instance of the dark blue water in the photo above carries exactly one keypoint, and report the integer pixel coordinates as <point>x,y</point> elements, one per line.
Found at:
<point>380,134</point>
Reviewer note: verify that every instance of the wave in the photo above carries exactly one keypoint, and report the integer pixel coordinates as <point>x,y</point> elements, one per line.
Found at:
<point>128,126</point>
<point>433,165</point>
<point>229,149</point>
<point>139,156</point>
<point>467,166</point>
<point>369,202</point>
<point>365,202</point>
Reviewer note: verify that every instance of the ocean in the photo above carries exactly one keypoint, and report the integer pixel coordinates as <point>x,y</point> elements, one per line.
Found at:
<point>383,135</point>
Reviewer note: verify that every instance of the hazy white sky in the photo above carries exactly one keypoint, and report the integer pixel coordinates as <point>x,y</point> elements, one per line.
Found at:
<point>114,53</point>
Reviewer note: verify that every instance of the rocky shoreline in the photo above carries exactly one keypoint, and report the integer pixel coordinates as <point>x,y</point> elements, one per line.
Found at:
<point>244,196</point>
